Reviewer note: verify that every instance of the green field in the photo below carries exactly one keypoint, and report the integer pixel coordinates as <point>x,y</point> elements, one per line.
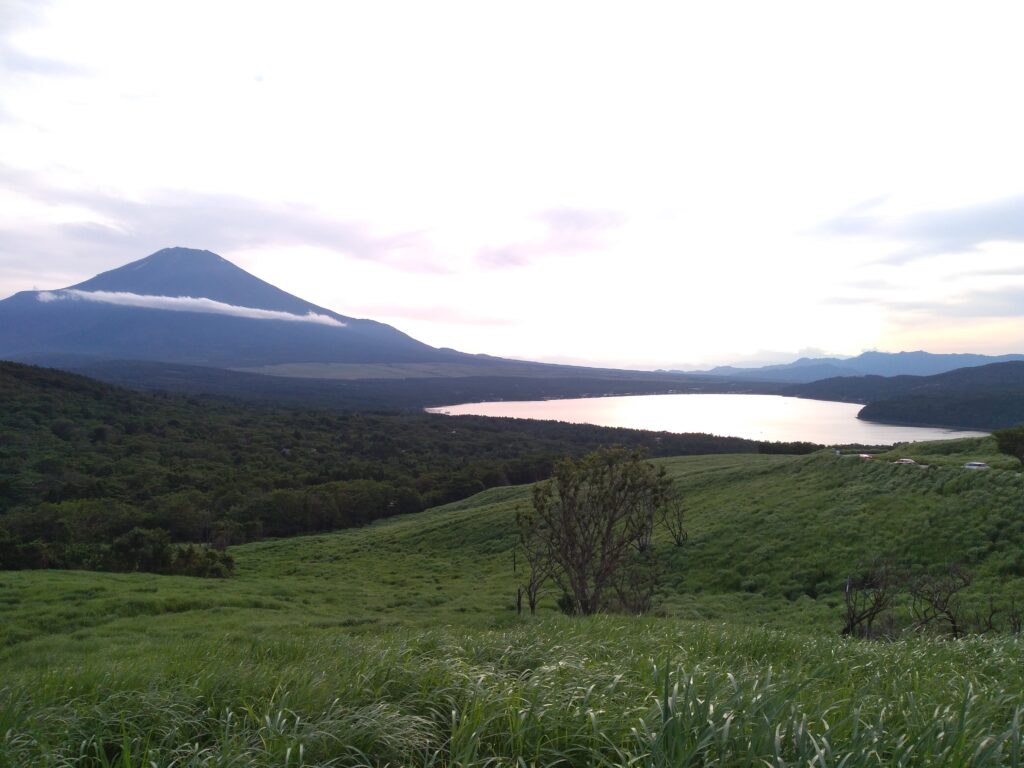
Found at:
<point>397,643</point>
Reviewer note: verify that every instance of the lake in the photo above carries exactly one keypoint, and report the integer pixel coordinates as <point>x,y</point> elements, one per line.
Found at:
<point>756,417</point>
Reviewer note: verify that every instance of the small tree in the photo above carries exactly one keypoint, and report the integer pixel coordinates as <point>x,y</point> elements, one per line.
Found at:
<point>596,515</point>
<point>936,598</point>
<point>672,520</point>
<point>533,544</point>
<point>868,595</point>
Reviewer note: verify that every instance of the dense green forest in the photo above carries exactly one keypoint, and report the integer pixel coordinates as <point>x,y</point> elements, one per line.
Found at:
<point>96,476</point>
<point>981,411</point>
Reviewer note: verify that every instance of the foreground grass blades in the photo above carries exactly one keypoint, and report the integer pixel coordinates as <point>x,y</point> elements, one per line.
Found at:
<point>602,691</point>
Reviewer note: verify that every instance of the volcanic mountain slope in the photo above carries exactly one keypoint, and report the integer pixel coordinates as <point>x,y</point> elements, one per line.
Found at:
<point>182,305</point>
<point>190,321</point>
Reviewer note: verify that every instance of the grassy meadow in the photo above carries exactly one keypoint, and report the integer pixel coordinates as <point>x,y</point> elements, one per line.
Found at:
<point>397,643</point>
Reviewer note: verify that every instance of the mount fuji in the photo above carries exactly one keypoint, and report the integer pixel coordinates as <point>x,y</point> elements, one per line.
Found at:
<point>181,305</point>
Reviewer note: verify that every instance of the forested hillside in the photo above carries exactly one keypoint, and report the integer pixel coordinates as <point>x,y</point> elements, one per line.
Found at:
<point>394,394</point>
<point>83,463</point>
<point>981,411</point>
<point>985,397</point>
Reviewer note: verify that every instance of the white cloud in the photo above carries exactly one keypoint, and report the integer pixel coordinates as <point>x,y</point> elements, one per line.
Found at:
<point>185,304</point>
<point>935,232</point>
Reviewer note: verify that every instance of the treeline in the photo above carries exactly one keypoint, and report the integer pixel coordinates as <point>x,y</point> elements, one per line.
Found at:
<point>83,464</point>
<point>140,549</point>
<point>984,411</point>
<point>398,394</point>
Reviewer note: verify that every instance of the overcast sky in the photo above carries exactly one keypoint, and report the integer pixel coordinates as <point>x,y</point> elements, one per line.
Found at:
<point>632,184</point>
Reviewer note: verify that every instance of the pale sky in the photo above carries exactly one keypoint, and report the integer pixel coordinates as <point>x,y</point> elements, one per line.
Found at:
<point>630,184</point>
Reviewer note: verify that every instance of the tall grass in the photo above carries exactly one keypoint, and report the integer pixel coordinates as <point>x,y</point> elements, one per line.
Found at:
<point>398,645</point>
<point>553,692</point>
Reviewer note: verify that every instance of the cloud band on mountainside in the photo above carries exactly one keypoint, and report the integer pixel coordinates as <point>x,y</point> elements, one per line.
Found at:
<point>185,304</point>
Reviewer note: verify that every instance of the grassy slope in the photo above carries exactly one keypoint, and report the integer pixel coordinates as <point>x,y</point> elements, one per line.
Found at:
<point>772,539</point>
<point>373,637</point>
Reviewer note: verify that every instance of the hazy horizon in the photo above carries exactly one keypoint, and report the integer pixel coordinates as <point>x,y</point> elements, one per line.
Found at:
<point>658,186</point>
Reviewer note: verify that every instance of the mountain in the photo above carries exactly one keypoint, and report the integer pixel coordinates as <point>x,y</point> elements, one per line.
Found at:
<point>191,272</point>
<point>808,369</point>
<point>190,321</point>
<point>800,371</point>
<point>181,305</point>
<point>979,397</point>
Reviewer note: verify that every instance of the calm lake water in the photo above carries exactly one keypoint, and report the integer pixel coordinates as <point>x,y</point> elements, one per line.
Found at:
<point>757,417</point>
